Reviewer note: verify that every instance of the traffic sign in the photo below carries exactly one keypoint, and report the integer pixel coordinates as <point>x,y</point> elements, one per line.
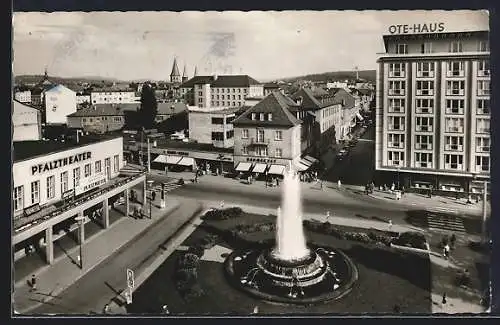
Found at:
<point>130,279</point>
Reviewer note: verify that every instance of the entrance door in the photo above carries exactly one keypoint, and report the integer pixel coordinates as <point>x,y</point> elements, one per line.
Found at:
<point>107,166</point>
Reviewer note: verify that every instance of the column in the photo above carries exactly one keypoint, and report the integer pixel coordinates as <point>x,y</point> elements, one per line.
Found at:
<point>49,246</point>
<point>81,228</point>
<point>162,196</point>
<point>105,214</point>
<point>127,202</point>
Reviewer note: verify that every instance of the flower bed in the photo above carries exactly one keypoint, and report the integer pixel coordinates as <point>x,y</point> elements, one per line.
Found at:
<point>223,214</point>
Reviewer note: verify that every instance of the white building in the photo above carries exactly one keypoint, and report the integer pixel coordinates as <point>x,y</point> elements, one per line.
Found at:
<point>337,84</point>
<point>23,96</point>
<point>213,126</point>
<point>60,101</point>
<point>113,96</point>
<point>81,98</point>
<point>26,122</point>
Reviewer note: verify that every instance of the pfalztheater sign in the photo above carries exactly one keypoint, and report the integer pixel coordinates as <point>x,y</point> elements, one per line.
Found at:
<point>417,28</point>
<point>58,163</point>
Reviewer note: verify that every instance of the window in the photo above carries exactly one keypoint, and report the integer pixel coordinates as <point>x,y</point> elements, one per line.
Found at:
<point>483,106</point>
<point>455,88</point>
<point>200,93</point>
<point>423,142</point>
<point>222,96</point>
<point>425,88</point>
<point>279,153</point>
<point>260,135</point>
<point>98,168</point>
<point>424,106</point>
<point>456,69</point>
<point>261,117</point>
<point>455,106</point>
<point>482,163</point>
<point>229,134</point>
<point>483,68</point>
<point>482,144</point>
<point>278,135</point>
<point>426,48</point>
<point>217,120</point>
<point>18,198</point>
<point>51,187</point>
<point>261,151</point>
<point>397,88</point>
<point>397,69</point>
<point>424,124</point>
<point>396,105</point>
<point>395,140</point>
<point>87,170</point>
<point>483,88</point>
<point>484,46</point>
<point>423,160</point>
<point>456,47</point>
<point>453,161</point>
<point>244,150</point>
<point>254,116</point>
<point>64,182</point>
<point>396,158</point>
<point>396,123</point>
<point>116,163</point>
<point>217,136</point>
<point>76,177</point>
<point>35,192</point>
<point>454,125</point>
<point>425,69</point>
<point>454,143</point>
<point>269,116</point>
<point>401,48</point>
<point>244,133</point>
<point>482,125</point>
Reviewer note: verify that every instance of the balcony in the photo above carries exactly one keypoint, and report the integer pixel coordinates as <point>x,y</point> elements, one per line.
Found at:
<point>423,146</point>
<point>455,92</point>
<point>425,74</point>
<point>483,130</point>
<point>455,73</point>
<point>396,92</point>
<point>424,110</point>
<point>483,111</point>
<point>483,92</point>
<point>422,164</point>
<point>482,148</point>
<point>483,73</point>
<point>455,129</point>
<point>396,74</point>
<point>396,109</point>
<point>453,166</point>
<point>259,141</point>
<point>454,147</point>
<point>423,128</point>
<point>399,145</point>
<point>454,111</point>
<point>425,92</point>
<point>395,127</point>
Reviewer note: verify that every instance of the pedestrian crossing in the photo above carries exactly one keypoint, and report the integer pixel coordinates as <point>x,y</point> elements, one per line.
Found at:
<point>445,222</point>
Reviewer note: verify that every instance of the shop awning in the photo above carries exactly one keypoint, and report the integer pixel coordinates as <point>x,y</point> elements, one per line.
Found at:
<point>173,160</point>
<point>302,167</point>
<point>276,170</point>
<point>312,160</point>
<point>305,162</point>
<point>186,161</point>
<point>243,167</point>
<point>259,168</point>
<point>161,159</point>
<point>359,116</point>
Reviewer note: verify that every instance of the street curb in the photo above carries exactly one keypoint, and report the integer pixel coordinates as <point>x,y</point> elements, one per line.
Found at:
<point>122,246</point>
<point>164,254</point>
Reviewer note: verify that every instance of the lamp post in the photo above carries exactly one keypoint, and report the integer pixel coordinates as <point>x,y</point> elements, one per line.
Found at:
<point>151,196</point>
<point>80,226</point>
<point>399,168</point>
<point>149,155</point>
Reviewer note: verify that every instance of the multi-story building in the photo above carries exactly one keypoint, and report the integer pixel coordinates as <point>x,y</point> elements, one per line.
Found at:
<point>26,122</point>
<point>23,95</point>
<point>270,87</point>
<point>60,102</point>
<point>350,111</point>
<point>267,137</point>
<point>212,126</point>
<point>113,96</point>
<point>433,109</point>
<point>82,98</point>
<point>221,91</point>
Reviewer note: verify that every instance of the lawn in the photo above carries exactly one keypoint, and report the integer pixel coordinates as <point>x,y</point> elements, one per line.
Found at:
<point>386,278</point>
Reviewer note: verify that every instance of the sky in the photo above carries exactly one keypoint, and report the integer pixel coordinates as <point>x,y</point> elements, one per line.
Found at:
<point>263,44</point>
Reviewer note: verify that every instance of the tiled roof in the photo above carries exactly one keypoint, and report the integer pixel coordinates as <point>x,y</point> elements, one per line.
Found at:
<point>234,81</point>
<point>112,89</point>
<point>197,80</point>
<point>166,108</point>
<point>276,104</point>
<point>271,85</point>
<point>365,91</point>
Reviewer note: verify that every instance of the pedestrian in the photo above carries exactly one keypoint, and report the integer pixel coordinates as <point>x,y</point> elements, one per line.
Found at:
<point>327,216</point>
<point>443,301</point>
<point>165,310</point>
<point>453,240</point>
<point>33,283</point>
<point>277,181</point>
<point>446,251</point>
<point>106,309</point>
<point>477,198</point>
<point>321,184</point>
<point>402,190</point>
<point>393,187</point>
<point>390,224</point>
<point>372,187</point>
<point>429,193</point>
<point>255,310</point>
<point>339,184</point>
<point>217,171</point>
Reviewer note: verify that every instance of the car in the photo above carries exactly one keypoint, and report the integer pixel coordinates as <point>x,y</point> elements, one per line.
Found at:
<point>342,153</point>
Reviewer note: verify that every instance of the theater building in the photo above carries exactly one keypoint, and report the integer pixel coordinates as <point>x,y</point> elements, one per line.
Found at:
<point>433,109</point>
<point>53,182</point>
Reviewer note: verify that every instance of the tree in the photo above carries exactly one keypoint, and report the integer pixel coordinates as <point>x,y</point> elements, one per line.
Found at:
<point>149,107</point>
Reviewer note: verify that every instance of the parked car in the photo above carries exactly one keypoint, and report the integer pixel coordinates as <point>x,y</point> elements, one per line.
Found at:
<point>341,153</point>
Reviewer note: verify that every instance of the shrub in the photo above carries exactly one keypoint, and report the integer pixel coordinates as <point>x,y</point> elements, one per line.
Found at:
<point>197,250</point>
<point>189,260</point>
<point>411,239</point>
<point>234,212</point>
<point>208,241</point>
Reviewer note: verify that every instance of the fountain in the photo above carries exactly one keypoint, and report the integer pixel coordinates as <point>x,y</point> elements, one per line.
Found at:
<point>291,272</point>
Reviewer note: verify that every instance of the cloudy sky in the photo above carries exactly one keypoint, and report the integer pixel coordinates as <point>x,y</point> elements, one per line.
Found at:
<point>265,45</point>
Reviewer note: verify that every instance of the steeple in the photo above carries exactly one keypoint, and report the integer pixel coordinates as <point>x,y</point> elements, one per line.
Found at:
<point>195,71</point>
<point>184,75</point>
<point>175,76</point>
<point>45,75</point>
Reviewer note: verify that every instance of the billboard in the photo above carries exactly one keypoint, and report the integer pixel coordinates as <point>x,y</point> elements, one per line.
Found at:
<point>89,183</point>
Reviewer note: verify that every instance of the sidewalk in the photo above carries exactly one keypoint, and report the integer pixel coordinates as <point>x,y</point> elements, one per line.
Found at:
<point>53,279</point>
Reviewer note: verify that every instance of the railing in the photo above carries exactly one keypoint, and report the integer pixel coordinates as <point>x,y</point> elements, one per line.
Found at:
<point>483,130</point>
<point>483,92</point>
<point>421,164</point>
<point>262,141</point>
<point>424,110</point>
<point>483,73</point>
<point>396,145</point>
<point>425,74</point>
<point>423,128</point>
<point>398,92</point>
<point>483,111</point>
<point>395,163</point>
<point>455,129</point>
<point>397,74</point>
<point>423,146</point>
<point>454,111</point>
<point>453,166</point>
<point>22,221</point>
<point>482,148</point>
<point>455,92</point>
<point>396,109</point>
<point>454,147</point>
<point>393,127</point>
<point>425,92</point>
<point>455,73</point>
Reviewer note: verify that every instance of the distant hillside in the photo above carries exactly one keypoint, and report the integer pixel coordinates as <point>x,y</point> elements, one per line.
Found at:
<point>30,79</point>
<point>369,75</point>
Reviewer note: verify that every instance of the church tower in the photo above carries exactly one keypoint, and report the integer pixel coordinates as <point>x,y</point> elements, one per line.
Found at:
<point>175,76</point>
<point>195,71</point>
<point>184,75</point>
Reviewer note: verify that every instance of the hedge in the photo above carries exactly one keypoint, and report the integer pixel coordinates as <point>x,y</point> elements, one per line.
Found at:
<point>223,214</point>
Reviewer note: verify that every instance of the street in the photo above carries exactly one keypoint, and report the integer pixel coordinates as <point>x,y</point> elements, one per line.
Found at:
<point>96,288</point>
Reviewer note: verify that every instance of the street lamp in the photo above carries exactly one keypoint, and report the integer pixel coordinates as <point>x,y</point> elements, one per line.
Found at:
<point>399,168</point>
<point>80,226</point>
<point>151,197</point>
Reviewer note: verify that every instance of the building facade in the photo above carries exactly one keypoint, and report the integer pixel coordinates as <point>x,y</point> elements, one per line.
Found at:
<point>26,122</point>
<point>23,96</point>
<point>113,96</point>
<point>214,126</point>
<point>433,109</point>
<point>267,135</point>
<point>60,102</point>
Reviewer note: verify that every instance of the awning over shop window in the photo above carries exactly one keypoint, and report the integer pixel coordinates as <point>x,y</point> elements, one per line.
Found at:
<point>186,161</point>
<point>173,160</point>
<point>312,160</point>
<point>276,170</point>
<point>301,167</point>
<point>259,168</point>
<point>359,116</point>
<point>161,159</point>
<point>243,167</point>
